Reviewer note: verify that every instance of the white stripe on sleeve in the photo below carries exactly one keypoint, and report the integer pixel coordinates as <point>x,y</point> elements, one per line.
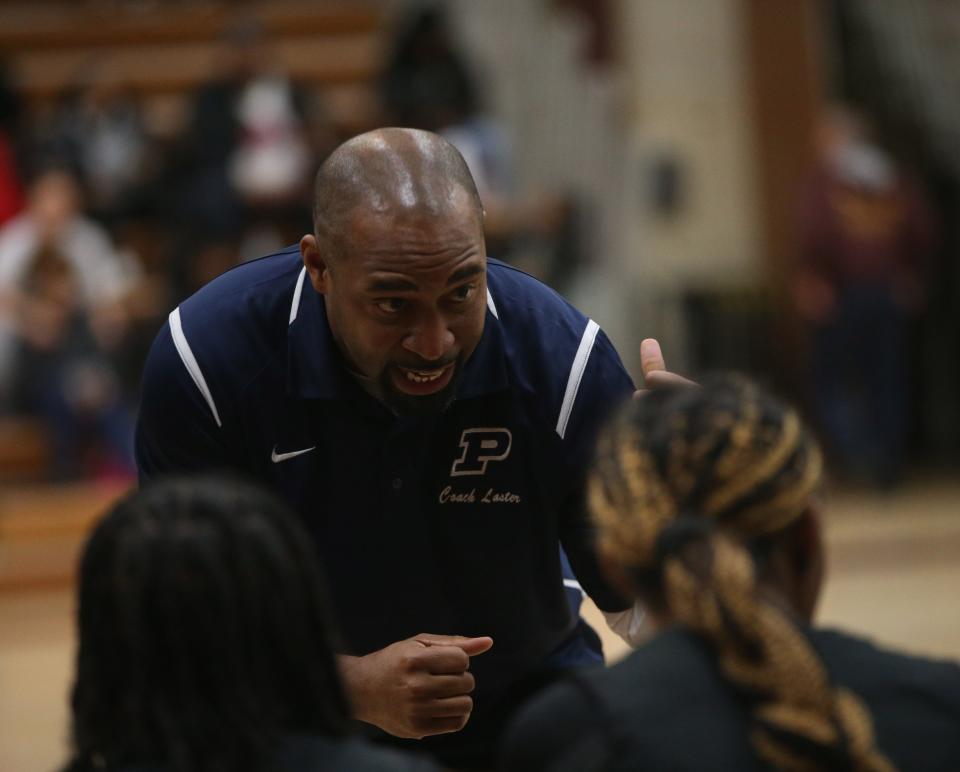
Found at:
<point>573,584</point>
<point>576,374</point>
<point>490,304</point>
<point>295,305</point>
<point>190,361</point>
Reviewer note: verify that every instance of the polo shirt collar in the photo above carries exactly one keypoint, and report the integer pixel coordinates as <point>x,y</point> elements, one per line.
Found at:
<point>486,369</point>
<point>316,370</point>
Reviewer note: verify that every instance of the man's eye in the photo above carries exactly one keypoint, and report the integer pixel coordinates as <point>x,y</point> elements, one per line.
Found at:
<point>463,293</point>
<point>391,305</point>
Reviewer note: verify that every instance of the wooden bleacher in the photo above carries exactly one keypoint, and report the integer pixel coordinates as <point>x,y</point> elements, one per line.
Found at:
<point>164,51</point>
<point>42,529</point>
<point>42,525</point>
<point>24,450</point>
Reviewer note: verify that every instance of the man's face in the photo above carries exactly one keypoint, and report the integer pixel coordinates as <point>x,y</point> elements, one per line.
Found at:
<point>406,300</point>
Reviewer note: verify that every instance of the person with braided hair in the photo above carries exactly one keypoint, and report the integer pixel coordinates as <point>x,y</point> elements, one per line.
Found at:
<point>707,502</point>
<point>206,642</point>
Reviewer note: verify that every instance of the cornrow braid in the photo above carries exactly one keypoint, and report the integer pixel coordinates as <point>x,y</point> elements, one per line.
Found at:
<point>683,482</point>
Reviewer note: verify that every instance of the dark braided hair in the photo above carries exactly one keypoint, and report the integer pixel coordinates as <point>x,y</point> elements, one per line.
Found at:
<point>687,487</point>
<point>204,632</point>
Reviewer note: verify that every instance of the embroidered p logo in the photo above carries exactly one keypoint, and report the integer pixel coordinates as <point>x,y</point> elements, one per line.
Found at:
<point>480,446</point>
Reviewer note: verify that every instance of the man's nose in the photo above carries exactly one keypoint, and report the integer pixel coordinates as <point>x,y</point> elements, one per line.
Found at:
<point>431,340</point>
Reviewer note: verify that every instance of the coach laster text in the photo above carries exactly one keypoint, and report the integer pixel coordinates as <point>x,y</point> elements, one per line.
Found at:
<point>490,496</point>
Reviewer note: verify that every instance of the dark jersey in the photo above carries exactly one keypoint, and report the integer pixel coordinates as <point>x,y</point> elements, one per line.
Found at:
<point>666,707</point>
<point>315,753</point>
<point>443,524</point>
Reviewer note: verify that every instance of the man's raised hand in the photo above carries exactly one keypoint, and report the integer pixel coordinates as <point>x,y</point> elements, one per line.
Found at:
<point>655,373</point>
<point>417,687</point>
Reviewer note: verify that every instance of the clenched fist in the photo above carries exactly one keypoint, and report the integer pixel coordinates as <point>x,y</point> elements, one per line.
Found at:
<point>417,687</point>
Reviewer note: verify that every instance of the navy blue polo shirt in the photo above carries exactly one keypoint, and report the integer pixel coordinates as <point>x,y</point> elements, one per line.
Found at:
<point>443,524</point>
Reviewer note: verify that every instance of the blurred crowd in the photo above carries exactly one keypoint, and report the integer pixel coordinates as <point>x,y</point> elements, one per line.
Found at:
<point>106,225</point>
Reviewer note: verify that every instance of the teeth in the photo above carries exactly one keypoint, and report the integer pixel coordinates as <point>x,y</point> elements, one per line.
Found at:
<point>419,376</point>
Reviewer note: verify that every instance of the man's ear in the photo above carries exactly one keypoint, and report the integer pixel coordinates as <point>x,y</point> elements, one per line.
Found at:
<point>316,264</point>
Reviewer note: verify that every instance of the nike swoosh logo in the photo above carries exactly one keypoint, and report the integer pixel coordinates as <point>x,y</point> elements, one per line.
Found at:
<point>278,457</point>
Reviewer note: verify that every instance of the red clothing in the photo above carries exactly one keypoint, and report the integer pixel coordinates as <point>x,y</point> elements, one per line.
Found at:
<point>11,194</point>
<point>851,235</point>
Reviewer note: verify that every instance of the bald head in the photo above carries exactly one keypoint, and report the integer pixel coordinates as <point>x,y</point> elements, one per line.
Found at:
<point>393,173</point>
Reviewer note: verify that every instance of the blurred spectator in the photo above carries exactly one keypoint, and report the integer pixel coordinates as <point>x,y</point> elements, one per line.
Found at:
<point>35,303</point>
<point>427,84</point>
<point>114,152</point>
<point>63,373</point>
<point>97,128</point>
<point>96,132</point>
<point>206,641</point>
<point>245,164</point>
<point>271,159</point>
<point>866,233</point>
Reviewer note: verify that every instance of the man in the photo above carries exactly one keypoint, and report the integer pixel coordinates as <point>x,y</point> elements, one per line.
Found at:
<point>428,413</point>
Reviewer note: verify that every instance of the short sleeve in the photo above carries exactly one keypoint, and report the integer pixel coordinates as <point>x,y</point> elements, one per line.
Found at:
<point>179,429</point>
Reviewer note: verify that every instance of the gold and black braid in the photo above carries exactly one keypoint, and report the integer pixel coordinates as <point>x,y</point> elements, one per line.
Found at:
<point>682,483</point>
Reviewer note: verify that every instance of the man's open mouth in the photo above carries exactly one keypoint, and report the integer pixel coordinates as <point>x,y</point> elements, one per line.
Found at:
<point>417,381</point>
<point>423,376</point>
